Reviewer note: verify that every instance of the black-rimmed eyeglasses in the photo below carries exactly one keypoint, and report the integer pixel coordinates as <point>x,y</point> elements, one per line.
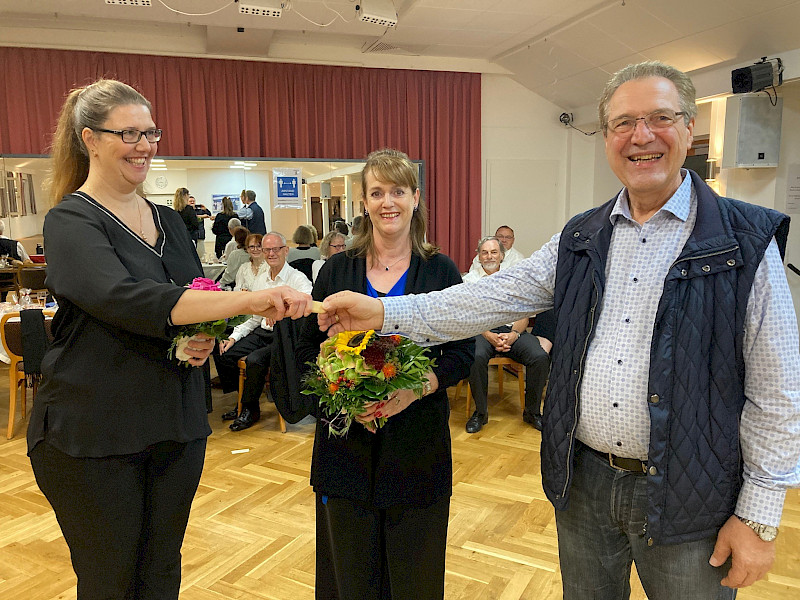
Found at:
<point>273,250</point>
<point>132,136</point>
<point>658,119</point>
<point>254,248</point>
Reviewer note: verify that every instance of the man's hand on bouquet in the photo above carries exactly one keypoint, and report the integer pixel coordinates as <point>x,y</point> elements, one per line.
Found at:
<point>280,302</point>
<point>199,348</point>
<point>349,311</point>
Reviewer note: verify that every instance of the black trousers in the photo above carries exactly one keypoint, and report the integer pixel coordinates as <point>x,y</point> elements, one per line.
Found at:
<point>365,553</point>
<point>123,517</point>
<point>526,350</point>
<point>255,348</point>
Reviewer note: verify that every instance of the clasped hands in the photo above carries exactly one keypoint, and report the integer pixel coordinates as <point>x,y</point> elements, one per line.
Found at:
<point>501,342</point>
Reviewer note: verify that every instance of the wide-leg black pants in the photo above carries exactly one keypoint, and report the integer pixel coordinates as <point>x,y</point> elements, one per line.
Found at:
<point>365,553</point>
<point>123,517</point>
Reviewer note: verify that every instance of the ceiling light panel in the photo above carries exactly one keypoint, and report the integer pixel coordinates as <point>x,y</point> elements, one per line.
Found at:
<point>261,8</point>
<point>130,2</point>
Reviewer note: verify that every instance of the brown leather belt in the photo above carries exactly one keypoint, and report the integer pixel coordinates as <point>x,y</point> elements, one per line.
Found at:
<point>631,465</point>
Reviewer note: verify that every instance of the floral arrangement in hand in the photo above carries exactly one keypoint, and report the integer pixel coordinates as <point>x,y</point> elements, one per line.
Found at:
<point>355,368</point>
<point>215,329</point>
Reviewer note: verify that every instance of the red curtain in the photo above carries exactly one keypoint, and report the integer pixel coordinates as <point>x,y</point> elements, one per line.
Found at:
<point>228,108</point>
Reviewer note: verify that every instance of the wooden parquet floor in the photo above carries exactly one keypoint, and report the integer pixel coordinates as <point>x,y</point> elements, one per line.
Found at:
<point>251,532</point>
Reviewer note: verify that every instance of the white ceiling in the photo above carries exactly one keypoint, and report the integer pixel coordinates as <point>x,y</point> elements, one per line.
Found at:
<point>564,50</point>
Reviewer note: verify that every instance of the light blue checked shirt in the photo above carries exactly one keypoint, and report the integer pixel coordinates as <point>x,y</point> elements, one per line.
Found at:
<point>614,413</point>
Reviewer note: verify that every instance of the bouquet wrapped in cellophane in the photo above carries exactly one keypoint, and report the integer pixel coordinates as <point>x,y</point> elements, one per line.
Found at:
<point>357,367</point>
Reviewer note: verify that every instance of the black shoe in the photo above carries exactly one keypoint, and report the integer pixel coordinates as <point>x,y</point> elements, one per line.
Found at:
<point>534,420</point>
<point>231,414</point>
<point>476,422</point>
<point>246,420</point>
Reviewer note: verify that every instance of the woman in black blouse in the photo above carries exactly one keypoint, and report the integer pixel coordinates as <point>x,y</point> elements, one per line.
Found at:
<point>220,226</point>
<point>118,431</point>
<point>383,497</point>
<point>181,204</point>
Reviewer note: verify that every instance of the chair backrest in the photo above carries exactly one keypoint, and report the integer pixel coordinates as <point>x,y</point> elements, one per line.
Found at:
<point>31,277</point>
<point>304,266</point>
<point>11,332</point>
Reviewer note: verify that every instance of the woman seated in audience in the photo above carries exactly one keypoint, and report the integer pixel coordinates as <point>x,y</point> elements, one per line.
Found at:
<point>117,434</point>
<point>304,237</point>
<point>247,273</point>
<point>236,258</point>
<point>233,223</point>
<point>332,243</point>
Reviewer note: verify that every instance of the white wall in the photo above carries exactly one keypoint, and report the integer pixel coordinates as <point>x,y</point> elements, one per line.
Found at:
<point>524,163</point>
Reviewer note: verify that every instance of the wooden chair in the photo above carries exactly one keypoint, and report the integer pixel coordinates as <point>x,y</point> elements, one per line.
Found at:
<point>501,362</point>
<point>30,277</point>
<point>11,335</point>
<point>242,376</point>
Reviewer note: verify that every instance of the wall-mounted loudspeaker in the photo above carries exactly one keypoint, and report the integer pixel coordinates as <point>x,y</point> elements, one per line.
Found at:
<point>752,132</point>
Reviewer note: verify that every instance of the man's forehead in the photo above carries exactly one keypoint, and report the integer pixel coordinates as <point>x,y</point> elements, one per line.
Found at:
<point>490,245</point>
<point>270,239</point>
<point>644,94</point>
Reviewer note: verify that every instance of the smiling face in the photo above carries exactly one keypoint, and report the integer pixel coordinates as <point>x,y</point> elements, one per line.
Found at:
<point>122,166</point>
<point>506,237</point>
<point>275,252</point>
<point>490,256</point>
<point>648,163</point>
<point>390,206</point>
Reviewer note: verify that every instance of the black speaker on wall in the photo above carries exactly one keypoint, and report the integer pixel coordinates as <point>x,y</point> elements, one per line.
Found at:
<point>758,76</point>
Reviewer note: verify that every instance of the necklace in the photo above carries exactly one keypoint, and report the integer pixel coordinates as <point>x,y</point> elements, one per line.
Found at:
<point>141,221</point>
<point>387,267</point>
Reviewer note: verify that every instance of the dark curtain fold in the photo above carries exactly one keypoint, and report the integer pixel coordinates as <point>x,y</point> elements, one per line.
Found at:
<point>228,108</point>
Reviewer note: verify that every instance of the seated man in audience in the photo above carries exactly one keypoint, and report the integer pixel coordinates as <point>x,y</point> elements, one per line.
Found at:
<point>253,338</point>
<point>232,245</point>
<point>505,235</point>
<point>510,340</point>
<point>11,248</point>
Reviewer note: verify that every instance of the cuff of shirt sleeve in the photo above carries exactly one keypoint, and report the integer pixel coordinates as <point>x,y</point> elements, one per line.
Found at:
<point>760,505</point>
<point>394,321</point>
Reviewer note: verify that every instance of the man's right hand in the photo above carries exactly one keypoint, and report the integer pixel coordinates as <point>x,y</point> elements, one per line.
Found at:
<point>495,339</point>
<point>349,311</point>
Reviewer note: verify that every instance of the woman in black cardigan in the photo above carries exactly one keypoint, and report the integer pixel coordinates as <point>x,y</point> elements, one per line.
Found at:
<point>383,497</point>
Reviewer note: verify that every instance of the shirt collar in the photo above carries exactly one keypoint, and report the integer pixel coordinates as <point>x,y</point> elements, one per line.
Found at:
<point>678,205</point>
<point>282,275</point>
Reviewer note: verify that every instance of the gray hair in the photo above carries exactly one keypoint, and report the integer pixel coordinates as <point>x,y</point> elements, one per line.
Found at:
<point>643,70</point>
<point>278,234</point>
<point>234,223</point>
<point>489,238</point>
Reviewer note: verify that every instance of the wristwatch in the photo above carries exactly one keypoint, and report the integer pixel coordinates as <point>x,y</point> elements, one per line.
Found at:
<point>765,532</point>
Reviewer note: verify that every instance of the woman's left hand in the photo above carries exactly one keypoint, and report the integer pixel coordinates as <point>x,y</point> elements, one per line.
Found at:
<point>397,402</point>
<point>199,348</point>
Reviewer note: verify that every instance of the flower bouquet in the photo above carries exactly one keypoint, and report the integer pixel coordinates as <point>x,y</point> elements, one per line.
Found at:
<point>357,367</point>
<point>215,329</point>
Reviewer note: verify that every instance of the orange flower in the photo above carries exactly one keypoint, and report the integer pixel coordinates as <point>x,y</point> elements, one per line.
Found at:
<point>389,370</point>
<point>333,387</point>
<point>396,339</point>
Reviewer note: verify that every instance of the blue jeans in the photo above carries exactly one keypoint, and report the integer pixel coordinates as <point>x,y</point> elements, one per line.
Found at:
<point>603,531</point>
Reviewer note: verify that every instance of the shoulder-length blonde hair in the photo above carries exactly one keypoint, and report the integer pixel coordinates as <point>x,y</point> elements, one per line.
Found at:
<point>181,199</point>
<point>393,166</point>
<point>87,106</point>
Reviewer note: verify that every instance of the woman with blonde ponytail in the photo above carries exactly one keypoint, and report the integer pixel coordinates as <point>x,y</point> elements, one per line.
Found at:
<point>118,432</point>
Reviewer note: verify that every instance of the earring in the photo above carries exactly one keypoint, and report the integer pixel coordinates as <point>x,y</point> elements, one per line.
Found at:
<point>366,212</point>
<point>416,208</point>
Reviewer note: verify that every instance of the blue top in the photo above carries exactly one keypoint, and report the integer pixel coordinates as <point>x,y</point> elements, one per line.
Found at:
<point>398,289</point>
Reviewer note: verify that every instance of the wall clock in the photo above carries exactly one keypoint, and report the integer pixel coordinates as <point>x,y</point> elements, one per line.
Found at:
<point>161,182</point>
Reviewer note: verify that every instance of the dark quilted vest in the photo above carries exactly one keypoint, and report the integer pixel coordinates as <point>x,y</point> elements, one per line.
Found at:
<point>696,383</point>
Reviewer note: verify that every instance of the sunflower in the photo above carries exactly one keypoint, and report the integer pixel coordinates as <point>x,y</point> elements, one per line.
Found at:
<point>353,341</point>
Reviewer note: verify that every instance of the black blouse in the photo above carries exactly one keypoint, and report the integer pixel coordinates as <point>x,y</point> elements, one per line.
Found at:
<point>108,387</point>
<point>408,461</point>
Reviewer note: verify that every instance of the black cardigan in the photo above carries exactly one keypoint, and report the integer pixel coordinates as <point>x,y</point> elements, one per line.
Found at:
<point>408,461</point>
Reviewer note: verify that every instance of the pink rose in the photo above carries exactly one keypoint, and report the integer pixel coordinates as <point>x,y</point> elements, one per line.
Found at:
<point>205,284</point>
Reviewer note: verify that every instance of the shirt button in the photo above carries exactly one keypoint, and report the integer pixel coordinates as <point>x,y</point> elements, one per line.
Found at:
<point>619,362</point>
<point>731,262</point>
<point>635,279</point>
<point>615,405</point>
<point>652,471</point>
<point>706,268</point>
<point>654,399</point>
<point>619,443</point>
<point>427,339</point>
<point>576,234</point>
<point>684,272</point>
<point>397,326</point>
<point>627,320</point>
<point>644,240</point>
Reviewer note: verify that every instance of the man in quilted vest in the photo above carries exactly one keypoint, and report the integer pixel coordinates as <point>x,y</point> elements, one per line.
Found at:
<point>672,419</point>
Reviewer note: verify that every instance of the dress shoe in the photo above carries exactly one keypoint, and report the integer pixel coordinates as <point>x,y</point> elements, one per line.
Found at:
<point>231,414</point>
<point>534,420</point>
<point>476,422</point>
<point>246,420</point>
